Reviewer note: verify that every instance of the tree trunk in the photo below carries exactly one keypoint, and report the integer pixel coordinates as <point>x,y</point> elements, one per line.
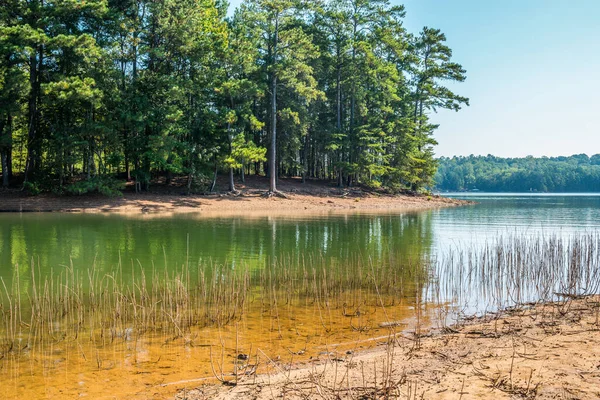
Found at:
<point>9,162</point>
<point>169,174</point>
<point>214,182</point>
<point>126,154</point>
<point>273,160</point>
<point>90,163</point>
<point>231,181</point>
<point>31,165</point>
<point>191,173</point>
<point>85,161</point>
<point>305,156</point>
<point>230,137</point>
<point>243,172</point>
<point>339,116</point>
<point>3,151</point>
<point>128,148</point>
<point>189,182</point>
<point>351,149</point>
<point>127,169</point>
<point>8,145</point>
<point>416,116</point>
<point>4,167</point>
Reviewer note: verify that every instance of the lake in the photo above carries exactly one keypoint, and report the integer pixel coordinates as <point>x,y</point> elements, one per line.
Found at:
<point>529,214</point>
<point>52,241</point>
<point>155,302</point>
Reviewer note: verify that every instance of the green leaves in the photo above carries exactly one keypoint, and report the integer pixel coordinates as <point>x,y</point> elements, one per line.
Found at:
<point>73,90</point>
<point>336,89</point>
<point>431,65</point>
<point>243,150</point>
<point>577,173</point>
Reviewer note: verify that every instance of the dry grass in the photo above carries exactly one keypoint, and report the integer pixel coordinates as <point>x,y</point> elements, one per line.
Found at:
<point>106,307</point>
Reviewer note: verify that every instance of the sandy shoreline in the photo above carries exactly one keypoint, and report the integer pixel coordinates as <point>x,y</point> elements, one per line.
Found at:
<point>301,199</point>
<point>542,351</point>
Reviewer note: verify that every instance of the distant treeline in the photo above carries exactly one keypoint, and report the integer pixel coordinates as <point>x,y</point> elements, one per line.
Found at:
<point>577,173</point>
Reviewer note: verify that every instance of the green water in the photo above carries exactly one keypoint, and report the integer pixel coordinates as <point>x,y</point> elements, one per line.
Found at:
<point>56,241</point>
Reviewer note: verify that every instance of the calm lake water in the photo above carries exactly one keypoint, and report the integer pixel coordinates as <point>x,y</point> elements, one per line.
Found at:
<point>53,241</point>
<point>310,285</point>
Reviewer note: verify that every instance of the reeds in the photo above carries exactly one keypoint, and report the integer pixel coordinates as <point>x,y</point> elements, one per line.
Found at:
<point>510,271</point>
<point>516,269</point>
<point>129,302</point>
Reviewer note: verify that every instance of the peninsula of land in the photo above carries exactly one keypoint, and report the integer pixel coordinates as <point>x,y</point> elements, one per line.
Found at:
<point>299,198</point>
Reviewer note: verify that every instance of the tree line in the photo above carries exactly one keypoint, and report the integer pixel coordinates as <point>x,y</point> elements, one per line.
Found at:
<point>577,173</point>
<point>96,92</point>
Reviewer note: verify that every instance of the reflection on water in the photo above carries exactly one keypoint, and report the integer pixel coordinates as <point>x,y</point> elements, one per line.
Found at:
<point>303,286</point>
<point>52,241</point>
<point>105,241</point>
<point>515,213</point>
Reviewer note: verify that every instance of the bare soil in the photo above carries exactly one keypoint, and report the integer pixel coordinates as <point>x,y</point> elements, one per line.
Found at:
<point>538,351</point>
<point>310,197</point>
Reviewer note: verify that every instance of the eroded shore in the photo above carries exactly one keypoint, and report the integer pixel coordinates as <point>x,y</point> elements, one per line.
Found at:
<point>543,351</point>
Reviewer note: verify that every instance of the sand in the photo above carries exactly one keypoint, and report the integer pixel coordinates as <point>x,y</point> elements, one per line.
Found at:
<point>541,351</point>
<point>312,197</point>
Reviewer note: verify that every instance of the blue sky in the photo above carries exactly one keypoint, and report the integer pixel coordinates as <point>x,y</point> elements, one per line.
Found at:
<point>533,74</point>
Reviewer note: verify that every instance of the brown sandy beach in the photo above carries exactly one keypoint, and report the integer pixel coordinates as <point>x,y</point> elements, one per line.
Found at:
<point>312,197</point>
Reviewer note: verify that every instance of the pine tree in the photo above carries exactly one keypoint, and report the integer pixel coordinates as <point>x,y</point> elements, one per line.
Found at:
<point>149,90</point>
<point>285,50</point>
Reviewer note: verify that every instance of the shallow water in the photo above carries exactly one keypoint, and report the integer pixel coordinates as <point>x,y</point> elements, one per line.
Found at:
<point>284,323</point>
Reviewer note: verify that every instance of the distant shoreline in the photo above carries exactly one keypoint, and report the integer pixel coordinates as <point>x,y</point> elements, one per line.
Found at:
<point>471,193</point>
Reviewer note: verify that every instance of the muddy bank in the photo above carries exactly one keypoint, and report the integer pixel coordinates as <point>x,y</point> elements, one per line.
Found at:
<point>542,351</point>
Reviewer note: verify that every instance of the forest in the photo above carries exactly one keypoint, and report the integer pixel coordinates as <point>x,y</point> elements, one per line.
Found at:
<point>577,173</point>
<point>99,92</point>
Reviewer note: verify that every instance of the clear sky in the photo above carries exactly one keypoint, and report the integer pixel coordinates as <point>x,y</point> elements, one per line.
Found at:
<point>533,74</point>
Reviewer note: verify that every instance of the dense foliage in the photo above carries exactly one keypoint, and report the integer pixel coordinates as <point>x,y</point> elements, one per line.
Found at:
<point>144,89</point>
<point>577,173</point>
